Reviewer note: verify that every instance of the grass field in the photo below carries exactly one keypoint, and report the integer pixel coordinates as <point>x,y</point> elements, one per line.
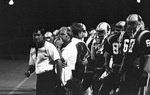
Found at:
<point>12,78</point>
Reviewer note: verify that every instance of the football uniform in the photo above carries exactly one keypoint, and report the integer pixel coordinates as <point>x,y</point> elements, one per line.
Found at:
<point>135,49</point>
<point>99,58</point>
<point>98,66</point>
<point>112,48</point>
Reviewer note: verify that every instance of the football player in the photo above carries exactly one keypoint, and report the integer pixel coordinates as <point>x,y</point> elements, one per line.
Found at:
<point>136,49</point>
<point>97,51</point>
<point>112,50</point>
<point>102,31</point>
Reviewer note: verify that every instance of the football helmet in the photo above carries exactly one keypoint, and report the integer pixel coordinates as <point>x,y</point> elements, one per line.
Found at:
<point>134,23</point>
<point>119,26</point>
<point>142,25</point>
<point>103,28</point>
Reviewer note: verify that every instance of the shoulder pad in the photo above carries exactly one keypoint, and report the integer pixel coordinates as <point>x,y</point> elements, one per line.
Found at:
<point>141,35</point>
<point>108,38</point>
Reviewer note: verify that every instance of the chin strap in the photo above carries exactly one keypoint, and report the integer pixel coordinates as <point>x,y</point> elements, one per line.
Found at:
<point>137,29</point>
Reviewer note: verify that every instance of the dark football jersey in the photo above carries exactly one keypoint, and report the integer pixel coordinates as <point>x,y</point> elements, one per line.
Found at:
<point>99,62</point>
<point>112,46</point>
<point>135,48</point>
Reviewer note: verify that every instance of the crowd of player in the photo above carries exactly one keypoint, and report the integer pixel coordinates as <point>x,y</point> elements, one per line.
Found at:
<point>108,60</point>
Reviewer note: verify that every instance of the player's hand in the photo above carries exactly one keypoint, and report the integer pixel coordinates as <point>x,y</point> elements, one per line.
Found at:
<point>27,73</point>
<point>93,33</point>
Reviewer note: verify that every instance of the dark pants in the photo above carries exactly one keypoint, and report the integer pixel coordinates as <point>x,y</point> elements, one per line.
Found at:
<point>46,83</point>
<point>97,82</point>
<point>110,82</point>
<point>91,79</point>
<point>87,80</point>
<point>130,85</point>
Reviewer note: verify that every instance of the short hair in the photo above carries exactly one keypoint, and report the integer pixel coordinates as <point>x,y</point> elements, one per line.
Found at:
<point>56,32</point>
<point>76,28</point>
<point>69,32</point>
<point>40,28</point>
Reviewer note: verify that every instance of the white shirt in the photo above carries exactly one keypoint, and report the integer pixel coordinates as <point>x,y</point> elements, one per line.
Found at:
<point>69,53</point>
<point>42,61</point>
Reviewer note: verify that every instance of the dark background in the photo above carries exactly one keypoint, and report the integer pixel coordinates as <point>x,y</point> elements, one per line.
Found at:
<point>18,20</point>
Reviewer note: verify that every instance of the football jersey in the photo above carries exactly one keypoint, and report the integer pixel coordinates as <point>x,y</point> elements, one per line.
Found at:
<point>112,46</point>
<point>99,48</point>
<point>136,47</point>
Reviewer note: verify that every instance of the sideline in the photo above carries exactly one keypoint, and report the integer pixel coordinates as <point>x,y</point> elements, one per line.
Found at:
<point>20,84</point>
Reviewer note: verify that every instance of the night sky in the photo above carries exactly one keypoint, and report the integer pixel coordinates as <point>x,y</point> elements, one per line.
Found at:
<point>18,20</point>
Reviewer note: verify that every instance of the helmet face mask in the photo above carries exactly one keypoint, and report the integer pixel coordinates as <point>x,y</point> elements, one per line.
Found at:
<point>118,27</point>
<point>101,34</point>
<point>117,30</point>
<point>133,23</point>
<point>131,27</point>
<point>103,28</point>
<point>130,31</point>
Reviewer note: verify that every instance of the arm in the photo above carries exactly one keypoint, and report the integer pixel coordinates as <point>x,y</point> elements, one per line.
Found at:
<point>144,40</point>
<point>59,69</point>
<point>93,50</point>
<point>107,57</point>
<point>58,63</point>
<point>30,70</point>
<point>89,40</point>
<point>54,57</point>
<point>31,67</point>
